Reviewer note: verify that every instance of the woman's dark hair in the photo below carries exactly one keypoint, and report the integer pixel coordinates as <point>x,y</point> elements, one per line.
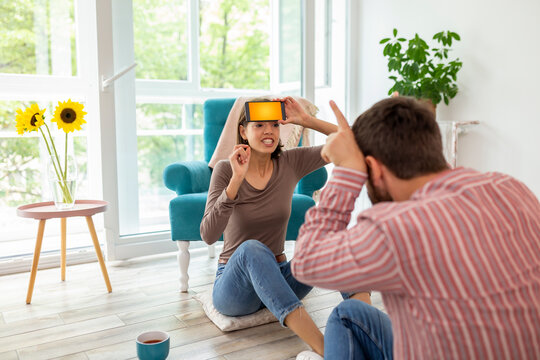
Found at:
<point>242,120</point>
<point>402,133</point>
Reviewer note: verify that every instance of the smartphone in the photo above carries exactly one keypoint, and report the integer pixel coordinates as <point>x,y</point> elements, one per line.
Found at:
<point>265,111</point>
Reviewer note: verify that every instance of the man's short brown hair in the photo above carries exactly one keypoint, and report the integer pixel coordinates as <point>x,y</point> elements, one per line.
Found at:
<point>401,133</point>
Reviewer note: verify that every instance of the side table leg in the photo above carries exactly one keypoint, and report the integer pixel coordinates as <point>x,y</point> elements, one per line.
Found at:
<point>63,248</point>
<point>37,252</point>
<point>98,251</point>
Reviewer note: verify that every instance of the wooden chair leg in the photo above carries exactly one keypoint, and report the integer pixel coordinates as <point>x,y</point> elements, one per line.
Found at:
<point>37,252</point>
<point>212,251</point>
<point>98,251</point>
<point>63,248</point>
<point>183,263</point>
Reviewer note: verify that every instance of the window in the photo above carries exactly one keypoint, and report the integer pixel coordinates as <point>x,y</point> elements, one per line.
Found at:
<point>290,42</point>
<point>234,44</point>
<point>234,48</point>
<point>161,39</point>
<point>186,51</point>
<point>165,134</point>
<point>227,48</point>
<point>40,62</point>
<point>35,40</point>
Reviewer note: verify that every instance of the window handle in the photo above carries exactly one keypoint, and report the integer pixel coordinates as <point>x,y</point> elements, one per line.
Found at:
<point>107,82</point>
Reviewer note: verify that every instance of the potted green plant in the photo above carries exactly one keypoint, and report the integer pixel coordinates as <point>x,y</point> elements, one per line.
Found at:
<point>420,70</point>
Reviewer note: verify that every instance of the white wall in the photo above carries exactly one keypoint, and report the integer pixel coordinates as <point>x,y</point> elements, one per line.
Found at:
<point>498,84</point>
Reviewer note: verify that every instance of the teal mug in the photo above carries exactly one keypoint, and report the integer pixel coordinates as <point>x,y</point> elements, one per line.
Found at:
<point>153,345</point>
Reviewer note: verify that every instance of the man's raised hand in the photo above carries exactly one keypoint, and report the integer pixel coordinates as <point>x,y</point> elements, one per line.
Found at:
<point>341,147</point>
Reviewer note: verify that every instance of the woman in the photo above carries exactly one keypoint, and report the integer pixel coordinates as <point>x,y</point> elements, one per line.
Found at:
<point>249,202</point>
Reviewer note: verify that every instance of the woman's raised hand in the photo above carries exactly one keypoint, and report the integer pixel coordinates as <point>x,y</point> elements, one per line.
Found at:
<point>295,112</point>
<point>240,160</point>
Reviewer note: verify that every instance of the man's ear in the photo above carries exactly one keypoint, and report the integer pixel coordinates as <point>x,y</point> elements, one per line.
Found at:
<point>375,170</point>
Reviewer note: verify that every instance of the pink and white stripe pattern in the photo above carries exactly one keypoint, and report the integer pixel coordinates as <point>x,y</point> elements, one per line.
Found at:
<point>458,264</point>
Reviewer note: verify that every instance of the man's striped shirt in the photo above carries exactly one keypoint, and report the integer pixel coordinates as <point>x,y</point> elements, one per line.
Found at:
<point>458,264</point>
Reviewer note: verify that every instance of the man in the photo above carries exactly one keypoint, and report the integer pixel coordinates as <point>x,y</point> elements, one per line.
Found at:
<point>454,252</point>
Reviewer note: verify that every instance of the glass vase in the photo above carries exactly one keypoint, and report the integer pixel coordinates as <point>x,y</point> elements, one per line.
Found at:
<point>62,176</point>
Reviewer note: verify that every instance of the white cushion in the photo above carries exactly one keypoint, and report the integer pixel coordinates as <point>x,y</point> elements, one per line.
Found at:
<point>230,323</point>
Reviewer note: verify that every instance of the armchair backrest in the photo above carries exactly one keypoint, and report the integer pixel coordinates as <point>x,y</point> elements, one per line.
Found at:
<point>215,113</point>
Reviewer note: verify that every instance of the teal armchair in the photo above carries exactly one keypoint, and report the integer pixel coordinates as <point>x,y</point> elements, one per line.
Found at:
<point>191,179</point>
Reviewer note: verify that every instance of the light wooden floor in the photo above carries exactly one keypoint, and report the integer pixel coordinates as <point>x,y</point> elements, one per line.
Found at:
<point>78,319</point>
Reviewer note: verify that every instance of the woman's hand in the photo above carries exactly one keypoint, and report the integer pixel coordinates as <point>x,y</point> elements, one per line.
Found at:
<point>295,113</point>
<point>240,160</point>
<point>239,163</point>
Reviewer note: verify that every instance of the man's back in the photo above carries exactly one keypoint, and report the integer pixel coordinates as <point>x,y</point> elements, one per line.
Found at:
<point>467,251</point>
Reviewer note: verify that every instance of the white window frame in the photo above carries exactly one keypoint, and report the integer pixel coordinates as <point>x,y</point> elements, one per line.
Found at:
<point>54,88</point>
<point>102,52</point>
<point>170,92</point>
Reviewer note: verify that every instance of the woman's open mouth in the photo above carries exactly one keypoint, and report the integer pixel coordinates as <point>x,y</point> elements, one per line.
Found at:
<point>268,142</point>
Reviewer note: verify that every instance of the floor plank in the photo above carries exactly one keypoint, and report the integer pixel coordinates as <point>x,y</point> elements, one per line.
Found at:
<point>128,305</point>
<point>149,312</point>
<point>9,355</point>
<point>231,342</point>
<point>28,325</point>
<point>54,334</point>
<point>78,320</point>
<point>78,356</point>
<point>275,350</point>
<point>99,341</point>
<point>127,349</point>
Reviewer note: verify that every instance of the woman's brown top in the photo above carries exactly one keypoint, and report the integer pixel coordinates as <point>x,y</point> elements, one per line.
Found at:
<point>256,214</point>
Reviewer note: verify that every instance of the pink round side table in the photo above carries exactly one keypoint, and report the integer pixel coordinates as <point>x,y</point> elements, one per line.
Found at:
<point>46,210</point>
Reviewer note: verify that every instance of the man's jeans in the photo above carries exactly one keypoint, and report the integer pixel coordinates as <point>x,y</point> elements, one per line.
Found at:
<point>356,330</point>
<point>252,280</point>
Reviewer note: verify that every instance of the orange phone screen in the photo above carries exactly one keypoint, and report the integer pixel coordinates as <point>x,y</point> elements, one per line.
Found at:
<point>265,111</point>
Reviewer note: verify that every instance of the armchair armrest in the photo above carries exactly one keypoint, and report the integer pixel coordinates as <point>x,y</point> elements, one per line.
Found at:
<point>187,177</point>
<point>312,182</point>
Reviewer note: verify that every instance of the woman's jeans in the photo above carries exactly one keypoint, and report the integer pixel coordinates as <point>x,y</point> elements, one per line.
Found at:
<point>356,330</point>
<point>252,280</point>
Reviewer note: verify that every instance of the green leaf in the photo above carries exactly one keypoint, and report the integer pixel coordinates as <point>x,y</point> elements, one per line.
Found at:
<point>395,32</point>
<point>392,65</point>
<point>384,40</point>
<point>402,39</point>
<point>387,49</point>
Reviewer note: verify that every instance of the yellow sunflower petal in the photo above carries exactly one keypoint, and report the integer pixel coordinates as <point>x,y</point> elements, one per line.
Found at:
<point>69,116</point>
<point>21,122</point>
<point>31,119</point>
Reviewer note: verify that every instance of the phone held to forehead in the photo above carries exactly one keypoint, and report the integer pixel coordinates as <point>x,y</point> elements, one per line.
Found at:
<point>265,111</point>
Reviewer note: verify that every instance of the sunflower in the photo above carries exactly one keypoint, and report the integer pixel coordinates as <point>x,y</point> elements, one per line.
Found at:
<point>29,120</point>
<point>69,116</point>
<point>21,123</point>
